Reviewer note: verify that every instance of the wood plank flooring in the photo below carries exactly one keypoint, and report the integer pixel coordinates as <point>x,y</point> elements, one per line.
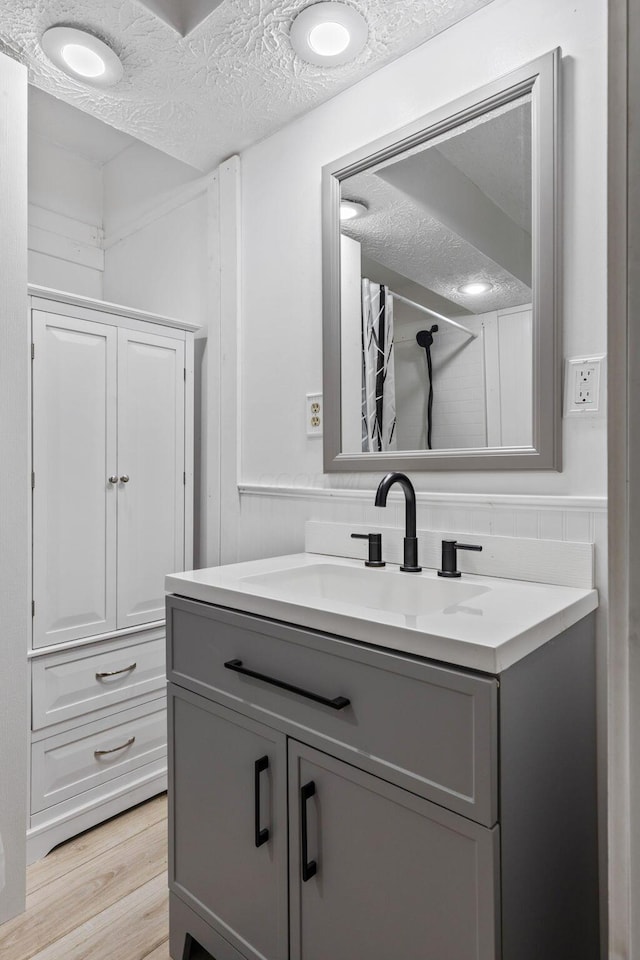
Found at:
<point>100,896</point>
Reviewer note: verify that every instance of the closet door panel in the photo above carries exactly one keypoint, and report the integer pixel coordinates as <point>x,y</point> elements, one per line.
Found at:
<point>151,456</point>
<point>74,454</point>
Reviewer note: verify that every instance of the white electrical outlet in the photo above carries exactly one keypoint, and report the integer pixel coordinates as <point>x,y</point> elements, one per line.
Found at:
<point>314,414</point>
<point>582,385</point>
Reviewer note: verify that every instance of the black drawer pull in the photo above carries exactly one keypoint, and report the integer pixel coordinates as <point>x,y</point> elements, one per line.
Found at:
<point>338,703</point>
<point>261,836</point>
<point>309,867</point>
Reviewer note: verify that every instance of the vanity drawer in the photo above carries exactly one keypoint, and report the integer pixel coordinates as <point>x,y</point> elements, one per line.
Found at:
<point>70,684</point>
<point>430,729</point>
<point>68,764</point>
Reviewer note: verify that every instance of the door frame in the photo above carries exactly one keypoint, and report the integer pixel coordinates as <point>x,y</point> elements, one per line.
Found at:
<point>622,852</point>
<point>15,486</point>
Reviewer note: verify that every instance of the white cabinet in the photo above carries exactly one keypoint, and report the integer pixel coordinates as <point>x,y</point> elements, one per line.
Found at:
<point>74,453</point>
<point>109,490</point>
<point>112,440</point>
<point>151,485</point>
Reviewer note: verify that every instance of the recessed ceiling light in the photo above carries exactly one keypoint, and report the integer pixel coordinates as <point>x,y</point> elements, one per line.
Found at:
<point>82,56</point>
<point>329,34</point>
<point>329,39</point>
<point>82,60</point>
<point>475,287</point>
<point>350,209</point>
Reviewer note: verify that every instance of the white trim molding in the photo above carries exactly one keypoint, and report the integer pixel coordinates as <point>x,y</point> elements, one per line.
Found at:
<point>515,501</point>
<point>75,300</point>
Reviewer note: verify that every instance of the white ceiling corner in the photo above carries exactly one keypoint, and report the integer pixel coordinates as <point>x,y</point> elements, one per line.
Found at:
<point>183,15</point>
<point>229,83</point>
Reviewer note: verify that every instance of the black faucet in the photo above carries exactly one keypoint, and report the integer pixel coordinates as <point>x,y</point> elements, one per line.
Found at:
<point>410,564</point>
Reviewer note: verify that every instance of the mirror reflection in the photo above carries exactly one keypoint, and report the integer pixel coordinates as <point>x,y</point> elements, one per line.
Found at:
<point>436,291</point>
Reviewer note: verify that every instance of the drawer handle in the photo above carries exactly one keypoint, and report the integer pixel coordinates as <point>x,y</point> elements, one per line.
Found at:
<point>309,867</point>
<point>115,673</point>
<point>101,753</point>
<point>261,836</point>
<point>338,703</point>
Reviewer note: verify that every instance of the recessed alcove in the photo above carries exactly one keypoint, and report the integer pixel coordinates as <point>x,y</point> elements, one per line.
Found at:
<point>183,15</point>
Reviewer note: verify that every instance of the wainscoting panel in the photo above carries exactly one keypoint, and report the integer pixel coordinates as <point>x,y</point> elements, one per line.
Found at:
<point>272,518</point>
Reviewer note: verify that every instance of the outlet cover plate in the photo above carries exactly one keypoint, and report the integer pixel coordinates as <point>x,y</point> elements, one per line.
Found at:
<point>314,414</point>
<point>584,386</point>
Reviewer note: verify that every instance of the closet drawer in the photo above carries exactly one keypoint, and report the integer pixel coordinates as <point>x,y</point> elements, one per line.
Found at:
<point>68,764</point>
<point>70,684</point>
<point>430,729</point>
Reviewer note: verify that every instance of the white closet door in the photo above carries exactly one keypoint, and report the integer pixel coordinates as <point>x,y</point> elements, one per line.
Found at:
<point>74,454</point>
<point>151,456</point>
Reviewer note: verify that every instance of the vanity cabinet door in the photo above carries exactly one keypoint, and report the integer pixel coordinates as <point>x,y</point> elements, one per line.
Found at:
<point>395,875</point>
<point>228,830</point>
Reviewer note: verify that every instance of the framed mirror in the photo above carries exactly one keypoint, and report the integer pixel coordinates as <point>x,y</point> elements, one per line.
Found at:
<point>440,287</point>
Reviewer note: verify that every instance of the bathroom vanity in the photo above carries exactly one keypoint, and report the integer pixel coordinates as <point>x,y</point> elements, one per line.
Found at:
<point>337,794</point>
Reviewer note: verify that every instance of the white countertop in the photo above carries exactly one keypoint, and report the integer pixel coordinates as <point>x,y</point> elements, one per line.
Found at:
<point>496,624</point>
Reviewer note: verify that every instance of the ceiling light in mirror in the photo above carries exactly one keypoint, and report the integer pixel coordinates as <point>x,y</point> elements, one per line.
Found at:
<point>350,209</point>
<point>82,56</point>
<point>329,34</point>
<point>475,287</point>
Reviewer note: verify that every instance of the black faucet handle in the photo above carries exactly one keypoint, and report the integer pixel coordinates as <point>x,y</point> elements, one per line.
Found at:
<point>450,557</point>
<point>375,548</point>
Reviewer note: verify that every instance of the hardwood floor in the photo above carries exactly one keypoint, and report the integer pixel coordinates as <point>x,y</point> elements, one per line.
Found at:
<point>100,896</point>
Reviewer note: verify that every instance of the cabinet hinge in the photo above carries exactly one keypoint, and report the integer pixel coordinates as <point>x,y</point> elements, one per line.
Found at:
<point>184,478</point>
<point>33,608</point>
<point>184,371</point>
<point>33,350</point>
<point>33,479</point>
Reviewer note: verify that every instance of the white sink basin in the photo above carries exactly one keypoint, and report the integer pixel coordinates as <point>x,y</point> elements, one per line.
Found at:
<point>375,589</point>
<point>483,623</point>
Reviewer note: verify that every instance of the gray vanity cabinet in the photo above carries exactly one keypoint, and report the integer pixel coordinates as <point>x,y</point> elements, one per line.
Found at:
<point>396,876</point>
<point>229,776</point>
<point>413,810</point>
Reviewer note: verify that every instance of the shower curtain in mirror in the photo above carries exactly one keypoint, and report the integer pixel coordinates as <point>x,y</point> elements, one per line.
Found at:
<point>378,380</point>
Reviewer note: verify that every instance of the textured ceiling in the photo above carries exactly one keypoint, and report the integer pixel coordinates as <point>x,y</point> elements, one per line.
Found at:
<point>398,234</point>
<point>229,83</point>
<point>421,236</point>
<point>497,157</point>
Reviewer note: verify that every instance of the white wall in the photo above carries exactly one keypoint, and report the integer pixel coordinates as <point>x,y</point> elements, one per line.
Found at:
<point>459,408</point>
<point>14,484</point>
<point>281,471</point>
<point>65,218</point>
<point>281,188</point>
<point>138,181</point>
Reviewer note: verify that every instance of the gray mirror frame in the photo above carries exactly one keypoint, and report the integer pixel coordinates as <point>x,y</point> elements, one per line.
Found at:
<point>541,78</point>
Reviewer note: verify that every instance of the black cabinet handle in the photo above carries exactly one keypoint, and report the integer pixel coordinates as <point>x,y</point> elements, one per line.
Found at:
<point>338,703</point>
<point>309,867</point>
<point>261,835</point>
